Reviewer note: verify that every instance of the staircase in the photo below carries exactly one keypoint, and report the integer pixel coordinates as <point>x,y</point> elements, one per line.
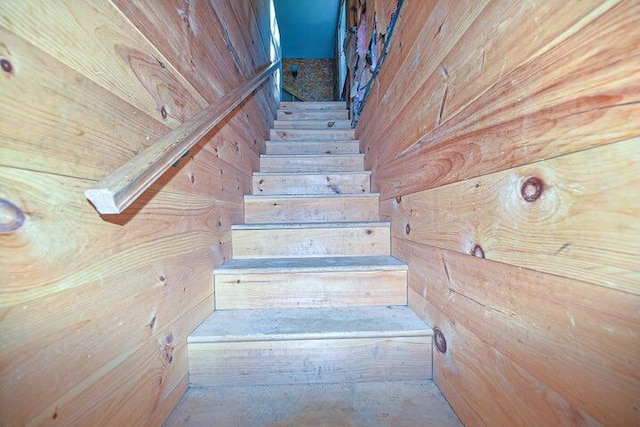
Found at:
<point>311,294</point>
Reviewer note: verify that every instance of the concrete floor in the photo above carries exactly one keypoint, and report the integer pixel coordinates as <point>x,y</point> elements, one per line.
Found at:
<point>397,404</point>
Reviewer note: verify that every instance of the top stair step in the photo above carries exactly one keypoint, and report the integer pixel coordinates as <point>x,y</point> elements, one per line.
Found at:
<point>332,105</point>
<point>285,115</point>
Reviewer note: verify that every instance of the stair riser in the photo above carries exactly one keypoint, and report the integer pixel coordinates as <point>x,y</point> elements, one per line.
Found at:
<point>311,289</point>
<point>329,163</point>
<point>311,242</point>
<point>335,105</point>
<point>312,184</point>
<point>311,134</point>
<point>307,147</point>
<point>312,124</point>
<point>326,209</point>
<point>313,115</point>
<point>310,361</point>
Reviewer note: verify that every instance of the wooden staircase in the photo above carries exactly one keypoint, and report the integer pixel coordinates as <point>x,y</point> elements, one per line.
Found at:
<point>312,294</point>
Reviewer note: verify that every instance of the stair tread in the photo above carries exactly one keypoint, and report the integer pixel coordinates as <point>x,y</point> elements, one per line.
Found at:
<point>309,196</point>
<point>276,226</point>
<point>309,323</point>
<point>311,173</point>
<point>297,265</point>
<point>294,156</point>
<point>313,141</point>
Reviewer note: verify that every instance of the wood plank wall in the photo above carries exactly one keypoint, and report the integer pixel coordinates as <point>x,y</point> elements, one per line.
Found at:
<point>94,310</point>
<point>505,142</point>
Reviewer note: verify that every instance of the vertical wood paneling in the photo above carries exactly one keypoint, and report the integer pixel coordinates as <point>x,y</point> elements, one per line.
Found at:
<point>490,105</point>
<point>95,310</point>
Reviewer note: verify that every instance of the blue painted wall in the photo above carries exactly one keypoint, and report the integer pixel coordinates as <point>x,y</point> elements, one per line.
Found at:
<point>307,27</point>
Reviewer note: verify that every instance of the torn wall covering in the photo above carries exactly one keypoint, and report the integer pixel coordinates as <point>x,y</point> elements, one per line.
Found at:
<point>367,41</point>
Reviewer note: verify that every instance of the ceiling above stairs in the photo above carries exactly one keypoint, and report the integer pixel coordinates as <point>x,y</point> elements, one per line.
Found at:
<point>307,27</point>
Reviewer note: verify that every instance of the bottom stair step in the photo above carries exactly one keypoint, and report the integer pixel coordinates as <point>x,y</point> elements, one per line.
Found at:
<point>309,346</point>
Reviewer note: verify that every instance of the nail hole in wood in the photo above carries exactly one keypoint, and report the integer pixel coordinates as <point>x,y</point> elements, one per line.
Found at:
<point>477,251</point>
<point>532,189</point>
<point>440,340</point>
<point>398,199</point>
<point>11,217</point>
<point>407,229</point>
<point>6,65</point>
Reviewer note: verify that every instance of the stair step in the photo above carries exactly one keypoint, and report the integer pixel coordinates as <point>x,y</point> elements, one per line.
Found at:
<point>310,282</point>
<point>313,147</point>
<point>311,240</point>
<point>312,163</point>
<point>309,346</point>
<point>311,183</point>
<point>324,105</point>
<point>312,124</point>
<point>311,208</point>
<point>313,115</point>
<point>311,134</point>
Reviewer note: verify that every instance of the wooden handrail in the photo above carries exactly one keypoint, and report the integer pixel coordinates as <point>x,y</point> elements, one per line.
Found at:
<point>118,190</point>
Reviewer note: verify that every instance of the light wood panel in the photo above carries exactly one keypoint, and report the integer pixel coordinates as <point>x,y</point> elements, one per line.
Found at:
<point>311,289</point>
<point>176,29</point>
<point>311,208</point>
<point>312,147</point>
<point>489,95</point>
<point>584,225</point>
<point>109,303</point>
<point>573,102</point>
<point>309,361</point>
<point>96,40</point>
<point>312,163</point>
<point>568,346</point>
<point>311,134</point>
<point>300,183</point>
<point>308,240</point>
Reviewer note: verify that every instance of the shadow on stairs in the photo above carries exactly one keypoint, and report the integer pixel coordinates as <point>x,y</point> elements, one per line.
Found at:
<point>311,325</point>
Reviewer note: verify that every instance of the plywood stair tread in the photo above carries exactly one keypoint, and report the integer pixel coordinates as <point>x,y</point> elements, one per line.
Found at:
<point>330,105</point>
<point>277,226</point>
<point>303,174</point>
<point>297,265</point>
<point>309,324</point>
<point>309,196</point>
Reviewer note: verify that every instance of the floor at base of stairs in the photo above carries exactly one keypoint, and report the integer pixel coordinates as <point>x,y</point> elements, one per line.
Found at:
<point>392,403</point>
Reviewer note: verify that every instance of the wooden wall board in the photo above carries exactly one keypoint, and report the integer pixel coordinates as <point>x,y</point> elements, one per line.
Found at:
<point>94,39</point>
<point>129,392</point>
<point>420,44</point>
<point>576,105</point>
<point>160,228</point>
<point>561,233</point>
<point>70,335</point>
<point>188,35</point>
<point>575,342</point>
<point>98,298</point>
<point>101,131</point>
<point>503,98</point>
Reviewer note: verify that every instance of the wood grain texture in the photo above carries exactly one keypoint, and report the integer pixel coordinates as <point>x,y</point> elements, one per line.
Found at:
<point>309,361</point>
<point>320,241</point>
<point>96,312</point>
<point>97,41</point>
<point>554,107</point>
<point>311,289</point>
<point>584,225</point>
<point>568,346</point>
<point>315,208</point>
<point>115,192</point>
<point>489,97</point>
<point>176,29</point>
<point>292,183</point>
